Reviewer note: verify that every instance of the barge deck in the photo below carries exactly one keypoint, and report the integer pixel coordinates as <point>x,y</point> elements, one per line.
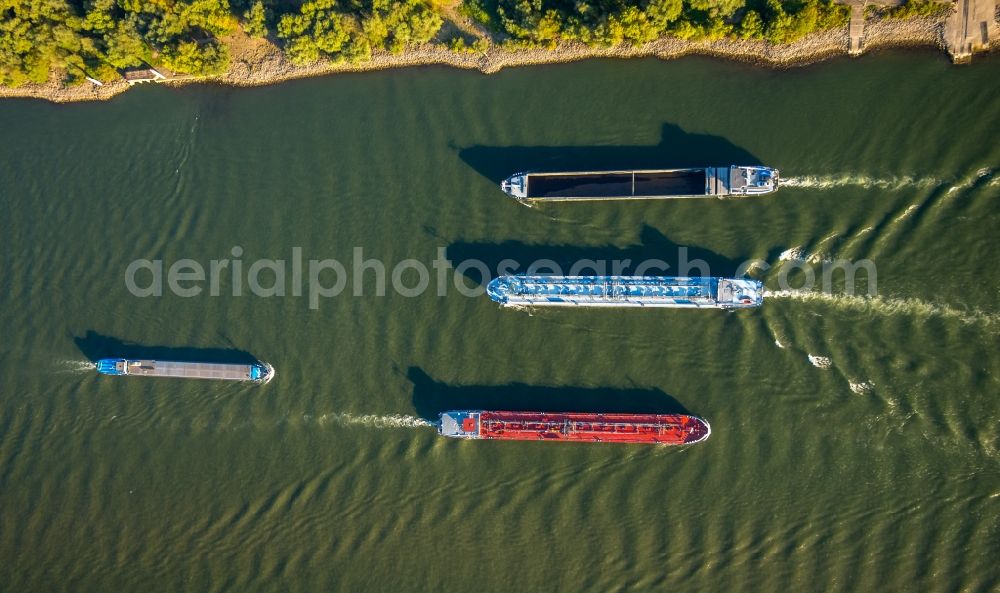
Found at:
<point>696,182</point>
<point>256,372</point>
<point>664,429</point>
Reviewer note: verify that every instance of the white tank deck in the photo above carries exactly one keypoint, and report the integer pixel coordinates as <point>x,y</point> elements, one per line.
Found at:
<point>625,291</point>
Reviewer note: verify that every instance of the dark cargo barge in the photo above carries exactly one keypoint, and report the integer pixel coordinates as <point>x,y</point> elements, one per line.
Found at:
<point>642,185</point>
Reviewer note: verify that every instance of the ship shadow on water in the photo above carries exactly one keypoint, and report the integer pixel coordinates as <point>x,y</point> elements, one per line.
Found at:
<point>653,245</point>
<point>676,149</point>
<point>431,397</point>
<point>96,346</point>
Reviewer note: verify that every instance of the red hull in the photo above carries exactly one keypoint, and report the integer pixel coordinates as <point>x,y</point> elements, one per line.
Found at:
<point>669,429</point>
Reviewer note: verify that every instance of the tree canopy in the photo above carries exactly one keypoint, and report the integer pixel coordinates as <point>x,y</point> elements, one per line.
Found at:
<point>100,38</point>
<point>95,37</point>
<point>610,22</point>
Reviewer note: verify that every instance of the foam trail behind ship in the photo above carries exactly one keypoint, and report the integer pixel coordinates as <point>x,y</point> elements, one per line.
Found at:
<point>376,421</point>
<point>75,366</point>
<point>891,306</point>
<point>847,179</point>
<point>983,175</point>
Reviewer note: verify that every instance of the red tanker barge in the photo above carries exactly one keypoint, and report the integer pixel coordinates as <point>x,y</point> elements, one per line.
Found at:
<point>663,429</point>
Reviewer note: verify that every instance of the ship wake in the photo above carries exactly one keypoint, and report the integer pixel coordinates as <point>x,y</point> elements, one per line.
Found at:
<point>75,366</point>
<point>848,180</point>
<point>983,176</point>
<point>891,306</point>
<point>376,421</point>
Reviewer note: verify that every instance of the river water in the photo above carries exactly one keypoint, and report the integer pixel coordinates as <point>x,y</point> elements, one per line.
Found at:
<point>855,439</point>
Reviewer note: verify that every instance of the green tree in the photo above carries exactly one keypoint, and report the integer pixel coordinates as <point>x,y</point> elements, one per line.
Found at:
<point>319,30</point>
<point>99,16</point>
<point>212,16</point>
<point>779,22</point>
<point>752,26</point>
<point>685,29</point>
<point>255,20</point>
<point>663,12</point>
<point>784,23</point>
<point>124,47</point>
<point>913,8</point>
<point>37,37</point>
<point>717,8</point>
<point>196,58</point>
<point>392,24</point>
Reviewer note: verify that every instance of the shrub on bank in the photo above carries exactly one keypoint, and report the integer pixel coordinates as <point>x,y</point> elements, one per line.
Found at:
<point>99,38</point>
<point>610,22</point>
<point>915,8</point>
<point>325,29</point>
<point>95,37</point>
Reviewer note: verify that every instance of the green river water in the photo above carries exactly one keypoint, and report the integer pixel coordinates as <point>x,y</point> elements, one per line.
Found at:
<point>855,441</point>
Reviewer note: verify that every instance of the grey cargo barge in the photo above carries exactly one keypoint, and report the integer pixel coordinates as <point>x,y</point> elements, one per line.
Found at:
<point>258,372</point>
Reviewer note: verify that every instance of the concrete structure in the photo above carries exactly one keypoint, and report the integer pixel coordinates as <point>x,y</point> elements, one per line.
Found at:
<point>143,75</point>
<point>857,27</point>
<point>970,28</point>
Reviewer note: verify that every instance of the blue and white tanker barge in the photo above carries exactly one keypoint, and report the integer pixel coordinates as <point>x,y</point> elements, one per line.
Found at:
<point>626,291</point>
